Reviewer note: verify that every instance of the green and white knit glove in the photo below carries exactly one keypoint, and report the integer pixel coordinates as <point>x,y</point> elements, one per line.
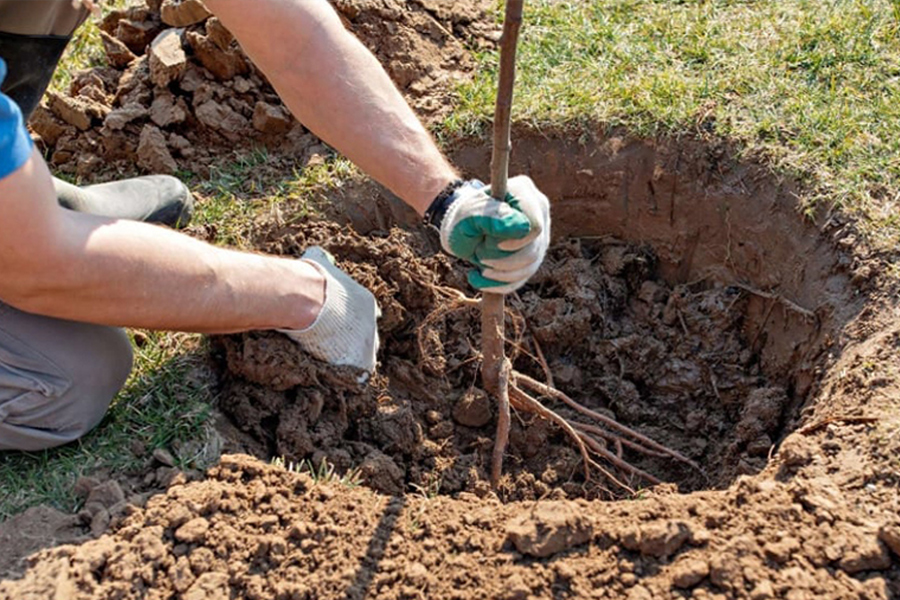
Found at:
<point>506,240</point>
<point>345,332</point>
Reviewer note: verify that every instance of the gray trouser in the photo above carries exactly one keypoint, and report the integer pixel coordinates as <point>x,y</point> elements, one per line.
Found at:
<point>57,378</point>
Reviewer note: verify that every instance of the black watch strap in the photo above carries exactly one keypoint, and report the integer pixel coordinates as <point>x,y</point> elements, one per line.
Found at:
<point>438,207</point>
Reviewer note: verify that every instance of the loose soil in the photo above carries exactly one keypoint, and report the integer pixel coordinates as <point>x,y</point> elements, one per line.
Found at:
<point>684,296</point>
<point>671,362</point>
<point>182,106</point>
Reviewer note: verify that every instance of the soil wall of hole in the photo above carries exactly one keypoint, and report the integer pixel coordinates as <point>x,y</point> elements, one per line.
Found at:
<point>707,216</point>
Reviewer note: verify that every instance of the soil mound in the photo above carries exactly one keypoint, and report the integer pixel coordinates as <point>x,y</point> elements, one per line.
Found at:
<point>178,90</point>
<point>258,531</point>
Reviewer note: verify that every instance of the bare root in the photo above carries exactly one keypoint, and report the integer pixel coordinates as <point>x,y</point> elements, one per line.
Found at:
<point>601,441</point>
<point>646,442</point>
<point>788,304</point>
<point>522,401</point>
<point>591,440</point>
<point>497,374</point>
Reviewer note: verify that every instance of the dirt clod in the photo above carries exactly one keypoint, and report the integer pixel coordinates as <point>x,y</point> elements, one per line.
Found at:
<point>153,153</point>
<point>77,111</point>
<point>689,572</point>
<point>867,555</point>
<point>550,528</point>
<point>473,409</point>
<point>192,532</point>
<point>107,494</point>
<point>660,539</point>
<point>164,457</point>
<point>117,53</point>
<point>167,58</point>
<point>269,118</point>
<point>181,13</point>
<point>890,536</point>
<point>225,64</point>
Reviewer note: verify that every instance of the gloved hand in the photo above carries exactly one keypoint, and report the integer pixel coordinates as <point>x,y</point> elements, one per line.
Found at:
<point>345,332</point>
<point>505,240</point>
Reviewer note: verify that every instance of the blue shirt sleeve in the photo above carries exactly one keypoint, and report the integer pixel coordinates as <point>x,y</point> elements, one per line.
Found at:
<point>15,143</point>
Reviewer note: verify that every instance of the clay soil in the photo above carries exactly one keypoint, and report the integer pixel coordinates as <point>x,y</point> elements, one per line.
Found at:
<point>683,296</point>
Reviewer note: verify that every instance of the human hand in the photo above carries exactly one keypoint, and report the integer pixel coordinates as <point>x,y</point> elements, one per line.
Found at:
<point>506,240</point>
<point>345,332</point>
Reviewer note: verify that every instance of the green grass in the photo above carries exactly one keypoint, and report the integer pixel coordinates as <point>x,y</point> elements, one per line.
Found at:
<point>324,473</point>
<point>85,50</point>
<point>810,87</point>
<point>165,404</point>
<point>244,189</point>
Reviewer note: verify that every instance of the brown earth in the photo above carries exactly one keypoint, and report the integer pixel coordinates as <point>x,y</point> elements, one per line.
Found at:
<point>669,361</point>
<point>180,98</point>
<point>684,296</point>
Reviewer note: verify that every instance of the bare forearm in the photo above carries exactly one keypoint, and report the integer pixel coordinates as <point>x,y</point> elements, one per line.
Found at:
<point>86,268</point>
<point>337,88</point>
<point>132,274</point>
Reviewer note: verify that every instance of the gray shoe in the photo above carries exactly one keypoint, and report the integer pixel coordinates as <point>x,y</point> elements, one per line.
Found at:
<point>153,199</point>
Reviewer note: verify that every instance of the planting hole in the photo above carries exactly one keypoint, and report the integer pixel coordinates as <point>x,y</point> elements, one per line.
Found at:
<point>684,296</point>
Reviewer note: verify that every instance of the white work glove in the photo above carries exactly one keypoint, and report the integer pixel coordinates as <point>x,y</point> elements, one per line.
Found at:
<point>506,240</point>
<point>345,332</point>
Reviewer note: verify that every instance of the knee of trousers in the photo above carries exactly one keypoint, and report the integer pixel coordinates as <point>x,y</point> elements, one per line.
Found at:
<point>77,396</point>
<point>97,383</point>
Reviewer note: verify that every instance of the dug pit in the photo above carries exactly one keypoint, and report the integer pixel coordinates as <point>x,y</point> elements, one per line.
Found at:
<point>684,296</point>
